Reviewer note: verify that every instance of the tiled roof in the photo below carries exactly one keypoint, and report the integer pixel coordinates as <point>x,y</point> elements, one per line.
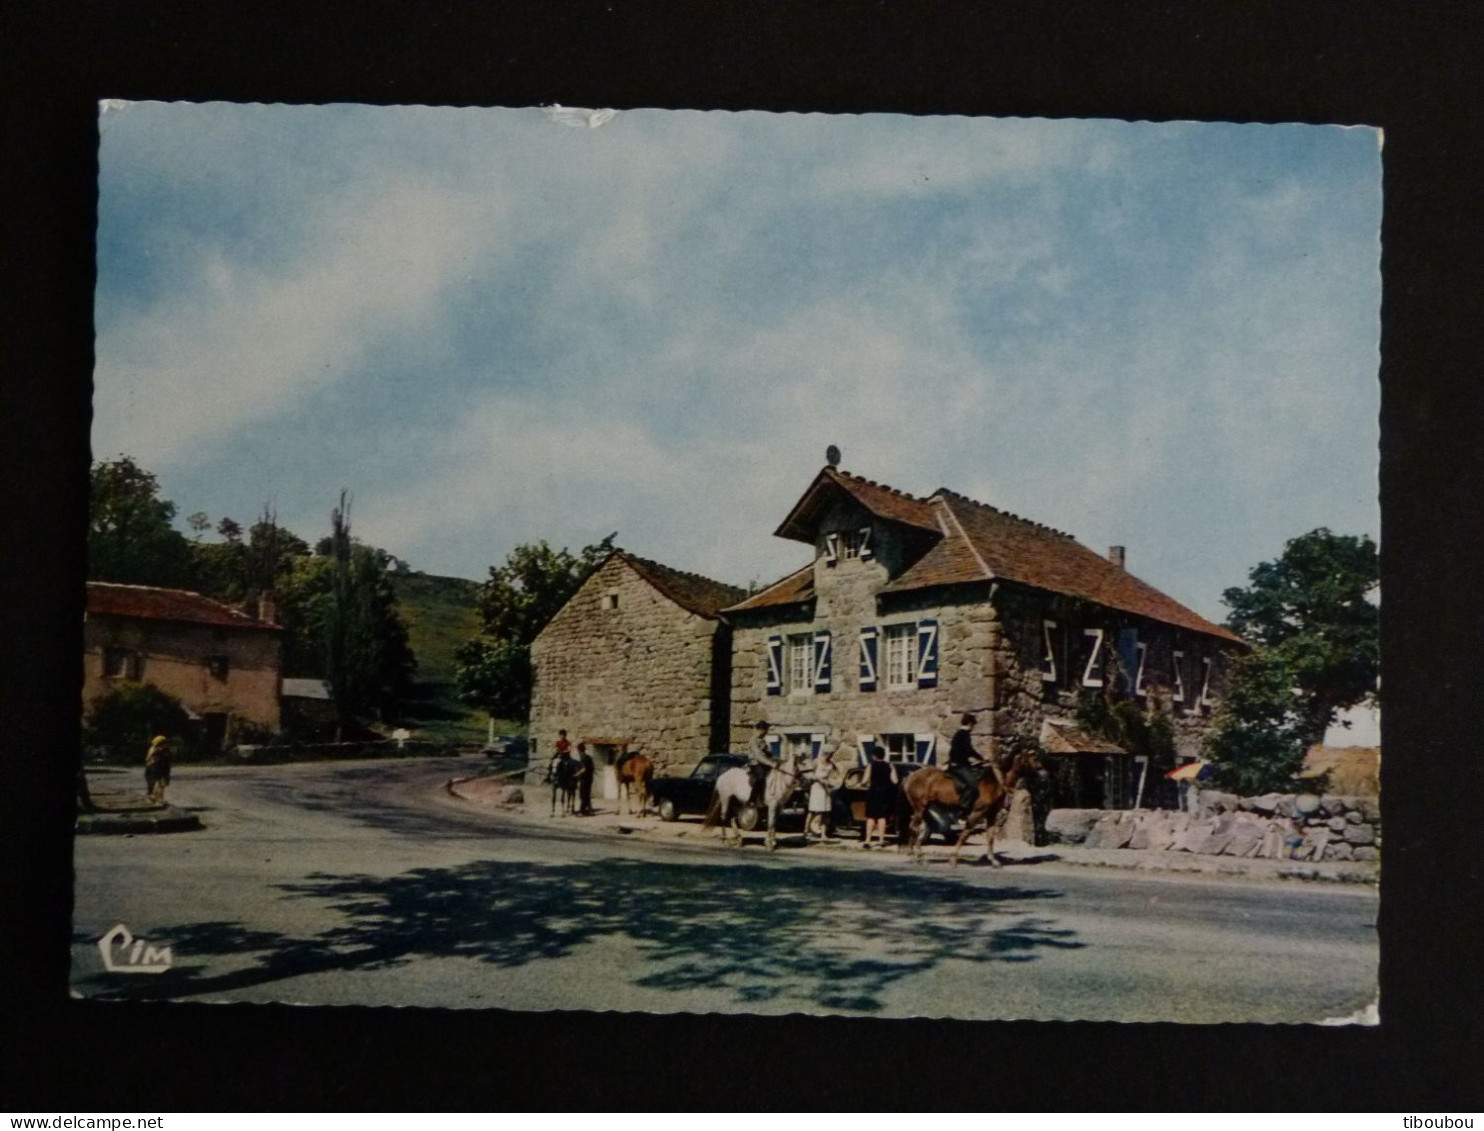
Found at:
<point>985,543</point>
<point>307,689</point>
<point>108,599</point>
<point>690,591</point>
<point>881,500</point>
<point>793,589</point>
<point>1065,738</point>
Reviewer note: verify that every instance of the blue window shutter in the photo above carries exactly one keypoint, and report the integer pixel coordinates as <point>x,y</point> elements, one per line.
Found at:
<point>926,748</point>
<point>816,745</point>
<point>775,746</point>
<point>927,653</point>
<point>865,535</point>
<point>1128,659</point>
<point>863,744</point>
<point>822,660</point>
<point>831,548</point>
<point>775,665</point>
<point>868,658</point>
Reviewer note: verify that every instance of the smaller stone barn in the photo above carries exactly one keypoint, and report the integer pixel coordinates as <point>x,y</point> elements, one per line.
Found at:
<point>636,660</point>
<point>223,665</point>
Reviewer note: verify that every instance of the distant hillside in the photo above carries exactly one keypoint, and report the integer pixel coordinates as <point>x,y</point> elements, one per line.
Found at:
<point>440,613</point>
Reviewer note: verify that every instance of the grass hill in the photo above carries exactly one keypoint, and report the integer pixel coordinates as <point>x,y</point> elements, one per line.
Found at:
<point>441,613</point>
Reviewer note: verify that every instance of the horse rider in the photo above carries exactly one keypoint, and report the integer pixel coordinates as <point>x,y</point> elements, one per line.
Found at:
<point>965,765</point>
<point>760,760</point>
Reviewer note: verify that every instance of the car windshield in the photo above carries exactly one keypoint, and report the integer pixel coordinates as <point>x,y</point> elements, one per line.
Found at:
<point>708,768</point>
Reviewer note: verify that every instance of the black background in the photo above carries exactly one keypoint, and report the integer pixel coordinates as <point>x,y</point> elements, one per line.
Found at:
<point>1413,71</point>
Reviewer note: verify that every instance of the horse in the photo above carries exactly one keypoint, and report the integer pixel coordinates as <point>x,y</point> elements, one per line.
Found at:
<point>734,790</point>
<point>931,785</point>
<point>634,773</point>
<point>562,774</point>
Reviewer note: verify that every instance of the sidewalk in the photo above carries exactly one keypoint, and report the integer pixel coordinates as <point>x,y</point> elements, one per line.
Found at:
<point>128,812</point>
<point>488,793</point>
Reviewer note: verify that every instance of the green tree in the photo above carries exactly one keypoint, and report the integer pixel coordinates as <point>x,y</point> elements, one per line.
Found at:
<point>1316,637</point>
<point>1312,611</point>
<point>130,539</point>
<point>123,721</point>
<point>493,670</point>
<point>1261,731</point>
<point>367,659</point>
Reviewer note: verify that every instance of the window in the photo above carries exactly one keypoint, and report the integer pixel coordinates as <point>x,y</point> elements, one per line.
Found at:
<point>610,600</point>
<point>121,663</point>
<point>900,747</point>
<point>901,655</point>
<point>218,666</point>
<point>799,745</point>
<point>1143,654</point>
<point>850,545</point>
<point>1048,660</point>
<point>1206,699</point>
<point>801,663</point>
<point>1179,695</point>
<point>909,749</point>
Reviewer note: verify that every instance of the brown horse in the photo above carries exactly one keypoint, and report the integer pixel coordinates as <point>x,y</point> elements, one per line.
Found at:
<point>634,773</point>
<point>930,785</point>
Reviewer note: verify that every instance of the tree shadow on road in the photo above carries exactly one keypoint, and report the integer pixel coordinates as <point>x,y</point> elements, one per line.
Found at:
<point>818,937</point>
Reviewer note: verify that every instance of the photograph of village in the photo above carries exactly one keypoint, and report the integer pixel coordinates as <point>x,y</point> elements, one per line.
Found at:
<point>666,561</point>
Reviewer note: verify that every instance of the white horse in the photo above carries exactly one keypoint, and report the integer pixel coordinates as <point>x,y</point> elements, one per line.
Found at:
<point>734,791</point>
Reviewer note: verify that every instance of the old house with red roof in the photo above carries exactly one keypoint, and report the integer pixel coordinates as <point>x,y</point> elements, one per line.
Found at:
<point>914,610</point>
<point>223,665</point>
<point>636,660</point>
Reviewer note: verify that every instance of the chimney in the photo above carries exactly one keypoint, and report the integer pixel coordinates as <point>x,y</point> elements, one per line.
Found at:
<point>1115,555</point>
<point>267,611</point>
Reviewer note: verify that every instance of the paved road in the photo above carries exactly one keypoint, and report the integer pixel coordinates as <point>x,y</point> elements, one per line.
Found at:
<point>364,883</point>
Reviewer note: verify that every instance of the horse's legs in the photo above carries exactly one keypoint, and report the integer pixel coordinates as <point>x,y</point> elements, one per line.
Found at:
<point>772,837</point>
<point>962,838</point>
<point>989,845</point>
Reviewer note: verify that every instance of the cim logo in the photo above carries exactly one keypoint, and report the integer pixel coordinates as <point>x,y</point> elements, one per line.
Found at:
<point>124,954</point>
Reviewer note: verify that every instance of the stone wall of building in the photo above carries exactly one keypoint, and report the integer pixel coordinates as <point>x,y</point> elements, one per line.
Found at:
<point>174,657</point>
<point>640,671</point>
<point>847,599</point>
<point>1026,698</point>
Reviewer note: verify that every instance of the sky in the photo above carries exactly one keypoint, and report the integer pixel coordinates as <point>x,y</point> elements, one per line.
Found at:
<point>498,326</point>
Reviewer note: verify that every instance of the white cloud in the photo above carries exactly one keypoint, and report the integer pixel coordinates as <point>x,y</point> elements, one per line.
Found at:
<point>238,346</point>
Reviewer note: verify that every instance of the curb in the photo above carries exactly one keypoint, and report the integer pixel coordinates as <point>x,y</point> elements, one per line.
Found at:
<point>129,824</point>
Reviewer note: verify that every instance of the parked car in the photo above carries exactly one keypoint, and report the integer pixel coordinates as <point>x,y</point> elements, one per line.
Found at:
<point>507,746</point>
<point>850,805</point>
<point>675,796</point>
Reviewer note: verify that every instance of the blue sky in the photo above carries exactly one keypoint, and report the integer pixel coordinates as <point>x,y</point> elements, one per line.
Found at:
<point>494,327</point>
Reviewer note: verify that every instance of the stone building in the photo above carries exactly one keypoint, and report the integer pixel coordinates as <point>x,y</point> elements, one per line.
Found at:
<point>913,611</point>
<point>637,660</point>
<point>222,665</point>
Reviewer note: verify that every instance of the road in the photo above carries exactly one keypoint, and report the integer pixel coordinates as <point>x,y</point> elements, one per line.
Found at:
<point>365,883</point>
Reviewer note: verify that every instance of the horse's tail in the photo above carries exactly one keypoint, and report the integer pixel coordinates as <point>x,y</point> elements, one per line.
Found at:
<point>713,811</point>
<point>904,814</point>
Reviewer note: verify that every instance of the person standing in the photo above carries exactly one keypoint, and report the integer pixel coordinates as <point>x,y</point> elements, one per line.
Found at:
<point>821,779</point>
<point>157,769</point>
<point>881,796</point>
<point>585,771</point>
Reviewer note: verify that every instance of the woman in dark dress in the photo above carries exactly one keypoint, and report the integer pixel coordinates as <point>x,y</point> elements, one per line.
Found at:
<point>881,796</point>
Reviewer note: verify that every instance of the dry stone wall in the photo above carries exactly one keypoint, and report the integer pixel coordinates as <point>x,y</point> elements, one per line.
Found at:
<point>623,661</point>
<point>1275,826</point>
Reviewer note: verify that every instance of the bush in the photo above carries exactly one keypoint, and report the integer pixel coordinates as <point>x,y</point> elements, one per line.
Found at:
<point>122,722</point>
